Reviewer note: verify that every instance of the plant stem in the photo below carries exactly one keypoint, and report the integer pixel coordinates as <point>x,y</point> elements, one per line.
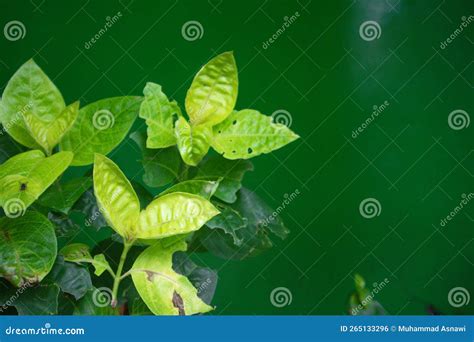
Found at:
<point>126,247</point>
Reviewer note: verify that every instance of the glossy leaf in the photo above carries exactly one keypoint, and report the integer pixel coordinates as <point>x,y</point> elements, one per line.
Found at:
<point>75,252</point>
<point>231,173</point>
<point>100,264</point>
<point>158,112</point>
<point>48,133</point>
<point>8,146</point>
<point>62,196</point>
<point>173,214</point>
<point>193,141</point>
<point>164,291</point>
<point>247,133</point>
<point>27,248</point>
<point>29,93</point>
<point>64,226</point>
<point>40,300</point>
<point>161,166</point>
<point>205,189</point>
<point>116,197</point>
<point>213,92</point>
<point>87,205</point>
<point>100,127</point>
<point>24,177</point>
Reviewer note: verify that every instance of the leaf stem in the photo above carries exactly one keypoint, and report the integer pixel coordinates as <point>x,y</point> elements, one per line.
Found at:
<point>127,244</point>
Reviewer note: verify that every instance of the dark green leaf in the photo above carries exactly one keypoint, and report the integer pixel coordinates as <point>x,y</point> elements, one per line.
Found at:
<point>161,166</point>
<point>231,173</point>
<point>96,302</point>
<point>62,196</point>
<point>39,300</point>
<point>63,225</point>
<point>8,146</point>
<point>87,205</point>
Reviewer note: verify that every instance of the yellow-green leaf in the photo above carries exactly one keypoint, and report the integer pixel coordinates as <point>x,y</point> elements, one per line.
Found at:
<point>193,141</point>
<point>247,133</point>
<point>164,291</point>
<point>116,198</point>
<point>213,93</point>
<point>173,214</point>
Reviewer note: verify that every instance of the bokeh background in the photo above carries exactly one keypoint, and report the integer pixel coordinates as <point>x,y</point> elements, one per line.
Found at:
<point>325,77</point>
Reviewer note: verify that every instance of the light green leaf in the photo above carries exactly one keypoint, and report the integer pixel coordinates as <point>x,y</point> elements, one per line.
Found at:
<point>29,93</point>
<point>100,127</point>
<point>115,196</point>
<point>76,252</point>
<point>231,173</point>
<point>173,214</point>
<point>202,188</point>
<point>161,166</point>
<point>24,177</point>
<point>213,93</point>
<point>27,248</point>
<point>247,133</point>
<point>193,141</point>
<point>48,133</point>
<point>158,112</point>
<point>164,291</point>
<point>100,264</point>
<point>62,196</point>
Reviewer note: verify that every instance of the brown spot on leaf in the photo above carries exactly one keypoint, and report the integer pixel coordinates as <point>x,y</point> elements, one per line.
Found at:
<point>178,303</point>
<point>23,186</point>
<point>6,234</point>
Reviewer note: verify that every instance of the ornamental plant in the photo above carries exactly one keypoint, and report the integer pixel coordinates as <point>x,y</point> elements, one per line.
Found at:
<point>103,243</point>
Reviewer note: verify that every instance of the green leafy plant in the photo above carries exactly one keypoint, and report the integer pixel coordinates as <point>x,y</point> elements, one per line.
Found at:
<point>137,238</point>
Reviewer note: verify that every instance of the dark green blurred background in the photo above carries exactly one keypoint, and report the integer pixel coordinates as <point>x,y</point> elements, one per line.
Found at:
<point>328,79</point>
